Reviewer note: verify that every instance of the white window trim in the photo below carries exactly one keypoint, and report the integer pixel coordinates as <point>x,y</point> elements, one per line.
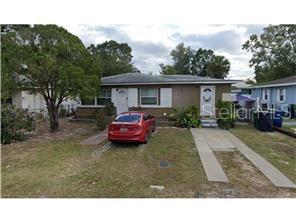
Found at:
<point>279,95</point>
<point>91,106</point>
<point>103,97</point>
<point>96,104</point>
<point>263,94</point>
<point>149,105</point>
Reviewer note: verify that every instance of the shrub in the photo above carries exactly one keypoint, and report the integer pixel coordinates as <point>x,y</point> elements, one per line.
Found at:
<point>177,114</point>
<point>188,117</point>
<point>62,111</point>
<point>102,120</point>
<point>14,123</point>
<point>226,117</point>
<point>110,109</point>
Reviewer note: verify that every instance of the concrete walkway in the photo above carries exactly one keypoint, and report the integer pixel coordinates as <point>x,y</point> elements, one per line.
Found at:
<point>213,170</point>
<point>96,139</point>
<point>216,139</point>
<point>208,139</point>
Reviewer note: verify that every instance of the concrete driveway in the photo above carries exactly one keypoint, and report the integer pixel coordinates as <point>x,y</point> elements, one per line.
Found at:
<point>208,140</point>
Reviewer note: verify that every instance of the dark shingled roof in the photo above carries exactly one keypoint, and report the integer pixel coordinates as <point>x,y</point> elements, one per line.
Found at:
<point>287,80</point>
<point>139,78</point>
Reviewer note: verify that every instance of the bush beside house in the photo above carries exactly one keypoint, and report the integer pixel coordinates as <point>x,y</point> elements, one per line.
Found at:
<point>15,123</point>
<point>186,117</point>
<point>105,116</point>
<point>226,117</point>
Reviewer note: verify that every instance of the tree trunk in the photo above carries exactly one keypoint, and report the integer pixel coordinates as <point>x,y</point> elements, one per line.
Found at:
<point>53,112</point>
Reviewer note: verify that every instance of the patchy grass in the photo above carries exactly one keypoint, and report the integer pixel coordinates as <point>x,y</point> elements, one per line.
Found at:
<point>275,147</point>
<point>67,169</point>
<point>56,165</point>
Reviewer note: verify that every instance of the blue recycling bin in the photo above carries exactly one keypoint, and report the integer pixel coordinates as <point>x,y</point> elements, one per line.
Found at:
<point>278,119</point>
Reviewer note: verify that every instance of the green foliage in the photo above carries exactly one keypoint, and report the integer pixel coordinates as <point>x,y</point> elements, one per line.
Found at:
<point>105,115</point>
<point>226,114</point>
<point>110,109</point>
<point>186,117</point>
<point>53,62</point>
<point>181,57</point>
<point>14,123</point>
<point>274,52</point>
<point>218,68</point>
<point>201,59</point>
<point>202,62</point>
<point>167,69</point>
<point>62,112</point>
<point>9,59</point>
<point>115,58</point>
<point>102,120</point>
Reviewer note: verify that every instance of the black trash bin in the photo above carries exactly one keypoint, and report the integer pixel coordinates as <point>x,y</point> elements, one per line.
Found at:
<point>256,119</point>
<point>265,121</point>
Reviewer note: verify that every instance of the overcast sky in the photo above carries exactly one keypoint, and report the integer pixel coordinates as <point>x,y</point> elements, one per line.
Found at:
<point>151,44</point>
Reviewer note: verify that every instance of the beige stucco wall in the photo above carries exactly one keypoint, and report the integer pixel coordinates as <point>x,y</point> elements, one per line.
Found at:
<point>182,96</point>
<point>185,95</point>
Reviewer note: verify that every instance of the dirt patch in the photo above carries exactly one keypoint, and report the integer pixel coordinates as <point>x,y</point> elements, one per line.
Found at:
<point>245,180</point>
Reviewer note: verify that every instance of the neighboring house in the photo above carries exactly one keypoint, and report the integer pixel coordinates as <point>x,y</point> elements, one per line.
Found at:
<point>242,94</point>
<point>35,102</point>
<point>279,94</point>
<point>157,94</point>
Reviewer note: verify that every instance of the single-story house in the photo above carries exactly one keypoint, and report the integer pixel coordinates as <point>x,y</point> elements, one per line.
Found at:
<point>35,103</point>
<point>157,94</point>
<point>279,94</point>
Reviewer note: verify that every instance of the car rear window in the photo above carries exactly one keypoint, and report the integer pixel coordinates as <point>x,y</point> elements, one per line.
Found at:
<point>130,118</point>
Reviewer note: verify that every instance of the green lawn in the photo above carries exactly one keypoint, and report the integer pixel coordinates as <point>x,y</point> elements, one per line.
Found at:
<point>276,147</point>
<point>67,169</point>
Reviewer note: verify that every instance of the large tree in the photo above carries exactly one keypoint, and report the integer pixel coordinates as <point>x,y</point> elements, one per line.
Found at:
<point>181,57</point>
<point>167,69</point>
<point>115,58</point>
<point>53,62</point>
<point>202,62</point>
<point>218,67</point>
<point>274,52</point>
<point>9,59</point>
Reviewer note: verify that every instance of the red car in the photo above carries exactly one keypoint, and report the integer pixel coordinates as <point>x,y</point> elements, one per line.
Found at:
<point>131,127</point>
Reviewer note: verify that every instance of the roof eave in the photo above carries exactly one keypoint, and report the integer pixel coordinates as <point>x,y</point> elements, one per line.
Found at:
<point>275,85</point>
<point>169,83</point>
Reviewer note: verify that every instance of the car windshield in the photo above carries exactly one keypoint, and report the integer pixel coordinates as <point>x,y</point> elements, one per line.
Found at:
<point>130,118</point>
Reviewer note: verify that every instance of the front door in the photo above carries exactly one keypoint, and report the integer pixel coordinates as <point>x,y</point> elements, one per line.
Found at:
<point>122,100</point>
<point>207,100</point>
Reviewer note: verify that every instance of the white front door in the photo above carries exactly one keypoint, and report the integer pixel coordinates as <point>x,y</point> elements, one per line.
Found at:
<point>207,100</point>
<point>122,100</point>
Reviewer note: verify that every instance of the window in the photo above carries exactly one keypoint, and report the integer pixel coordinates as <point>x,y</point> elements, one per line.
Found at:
<point>281,95</point>
<point>265,94</point>
<point>149,96</point>
<point>105,97</point>
<point>88,101</point>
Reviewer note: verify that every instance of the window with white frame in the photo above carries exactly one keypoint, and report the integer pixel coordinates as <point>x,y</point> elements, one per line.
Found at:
<point>281,95</point>
<point>149,96</point>
<point>265,94</point>
<point>105,97</point>
<point>88,102</point>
